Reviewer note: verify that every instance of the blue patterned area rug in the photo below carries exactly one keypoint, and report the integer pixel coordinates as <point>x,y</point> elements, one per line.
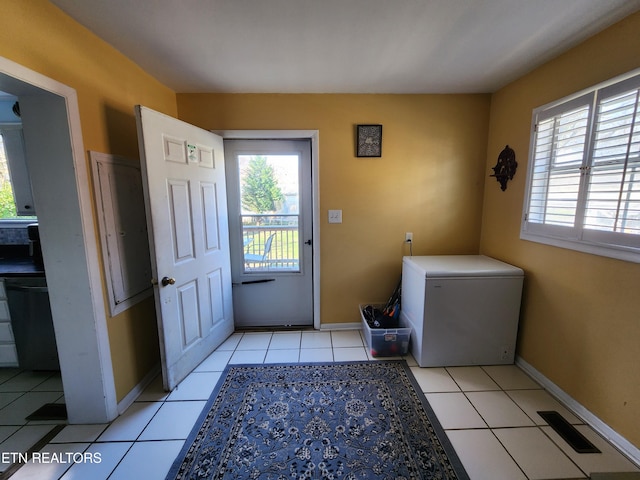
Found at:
<point>342,421</point>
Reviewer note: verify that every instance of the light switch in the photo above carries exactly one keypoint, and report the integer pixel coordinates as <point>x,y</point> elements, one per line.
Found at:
<point>335,216</point>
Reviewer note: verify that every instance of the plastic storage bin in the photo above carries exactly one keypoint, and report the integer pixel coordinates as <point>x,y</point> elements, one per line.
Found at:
<point>385,342</point>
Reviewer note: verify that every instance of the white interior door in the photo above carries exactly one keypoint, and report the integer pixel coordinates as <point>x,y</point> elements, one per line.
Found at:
<point>271,230</point>
<point>185,200</point>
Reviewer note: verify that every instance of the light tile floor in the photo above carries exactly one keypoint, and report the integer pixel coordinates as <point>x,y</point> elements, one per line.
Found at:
<point>489,414</point>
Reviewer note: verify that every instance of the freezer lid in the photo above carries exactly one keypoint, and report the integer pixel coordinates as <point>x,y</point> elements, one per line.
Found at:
<point>460,266</point>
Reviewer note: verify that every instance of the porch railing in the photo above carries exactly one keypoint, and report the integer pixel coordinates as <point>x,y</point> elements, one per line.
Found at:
<point>283,248</point>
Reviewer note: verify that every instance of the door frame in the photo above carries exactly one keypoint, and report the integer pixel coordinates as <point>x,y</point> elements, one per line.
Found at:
<point>73,274</point>
<point>314,137</point>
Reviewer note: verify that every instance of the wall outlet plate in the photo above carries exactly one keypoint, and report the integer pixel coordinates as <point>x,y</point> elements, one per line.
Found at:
<point>335,216</point>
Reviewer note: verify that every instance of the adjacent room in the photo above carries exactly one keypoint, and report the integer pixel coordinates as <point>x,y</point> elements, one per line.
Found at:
<point>384,137</point>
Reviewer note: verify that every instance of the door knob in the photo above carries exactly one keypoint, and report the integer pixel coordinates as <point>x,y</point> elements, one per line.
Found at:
<point>167,281</point>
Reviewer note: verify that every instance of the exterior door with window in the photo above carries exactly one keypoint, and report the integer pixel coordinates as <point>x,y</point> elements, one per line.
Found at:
<point>270,223</point>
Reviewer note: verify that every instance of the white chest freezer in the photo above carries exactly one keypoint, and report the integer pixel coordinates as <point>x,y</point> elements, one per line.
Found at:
<point>463,309</point>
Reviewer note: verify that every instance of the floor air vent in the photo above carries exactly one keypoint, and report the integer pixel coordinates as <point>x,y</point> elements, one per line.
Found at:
<point>50,411</point>
<point>568,432</point>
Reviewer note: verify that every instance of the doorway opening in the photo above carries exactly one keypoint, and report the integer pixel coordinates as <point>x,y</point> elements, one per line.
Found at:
<point>58,173</point>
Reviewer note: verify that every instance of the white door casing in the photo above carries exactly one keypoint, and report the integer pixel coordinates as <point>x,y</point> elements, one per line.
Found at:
<point>185,200</point>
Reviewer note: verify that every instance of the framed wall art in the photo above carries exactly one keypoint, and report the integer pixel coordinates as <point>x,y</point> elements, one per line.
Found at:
<point>368,140</point>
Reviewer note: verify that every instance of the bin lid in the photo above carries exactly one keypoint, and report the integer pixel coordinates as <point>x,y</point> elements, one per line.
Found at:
<point>461,266</point>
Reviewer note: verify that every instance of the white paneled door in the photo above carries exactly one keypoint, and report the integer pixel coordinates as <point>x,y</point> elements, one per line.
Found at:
<point>186,206</point>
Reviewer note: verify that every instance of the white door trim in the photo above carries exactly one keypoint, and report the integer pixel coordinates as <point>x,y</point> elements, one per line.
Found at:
<point>77,303</point>
<point>314,136</point>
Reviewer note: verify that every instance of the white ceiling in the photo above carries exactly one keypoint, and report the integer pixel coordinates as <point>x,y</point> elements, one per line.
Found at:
<point>343,46</point>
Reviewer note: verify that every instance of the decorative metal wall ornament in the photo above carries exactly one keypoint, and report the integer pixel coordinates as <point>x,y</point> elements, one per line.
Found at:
<point>369,140</point>
<point>506,167</point>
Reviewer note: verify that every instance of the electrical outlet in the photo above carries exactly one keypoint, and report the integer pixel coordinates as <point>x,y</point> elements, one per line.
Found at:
<point>505,353</point>
<point>408,237</point>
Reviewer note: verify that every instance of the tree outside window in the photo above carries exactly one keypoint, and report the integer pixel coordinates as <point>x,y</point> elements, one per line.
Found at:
<point>260,190</point>
<point>7,202</point>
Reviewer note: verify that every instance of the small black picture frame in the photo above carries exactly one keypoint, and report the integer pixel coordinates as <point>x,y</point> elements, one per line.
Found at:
<point>368,140</point>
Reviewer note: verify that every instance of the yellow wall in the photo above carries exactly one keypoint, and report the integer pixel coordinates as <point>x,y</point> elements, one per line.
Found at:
<point>580,322</point>
<point>580,314</point>
<point>429,180</point>
<point>39,36</point>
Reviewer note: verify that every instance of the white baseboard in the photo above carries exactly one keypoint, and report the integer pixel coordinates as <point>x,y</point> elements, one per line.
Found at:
<point>580,411</point>
<point>341,326</point>
<point>138,389</point>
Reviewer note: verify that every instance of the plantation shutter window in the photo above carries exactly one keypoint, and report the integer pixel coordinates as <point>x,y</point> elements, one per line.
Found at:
<point>558,158</point>
<point>583,185</point>
<point>613,201</point>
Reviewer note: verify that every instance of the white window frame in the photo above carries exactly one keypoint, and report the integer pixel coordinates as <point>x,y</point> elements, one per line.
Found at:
<point>621,246</point>
<point>14,146</point>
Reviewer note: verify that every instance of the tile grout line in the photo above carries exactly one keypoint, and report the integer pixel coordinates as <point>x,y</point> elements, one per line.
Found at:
<point>115,467</point>
<point>535,424</point>
<point>539,427</point>
<point>44,441</point>
<point>491,430</point>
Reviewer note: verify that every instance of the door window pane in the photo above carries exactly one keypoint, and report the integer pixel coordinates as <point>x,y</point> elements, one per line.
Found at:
<point>270,199</point>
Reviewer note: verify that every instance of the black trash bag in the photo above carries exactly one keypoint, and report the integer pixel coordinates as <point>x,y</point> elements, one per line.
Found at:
<point>376,318</point>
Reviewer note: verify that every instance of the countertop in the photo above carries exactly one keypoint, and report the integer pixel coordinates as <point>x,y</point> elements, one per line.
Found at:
<point>20,267</point>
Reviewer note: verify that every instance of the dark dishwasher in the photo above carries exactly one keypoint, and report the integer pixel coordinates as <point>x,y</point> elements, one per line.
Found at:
<point>32,323</point>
